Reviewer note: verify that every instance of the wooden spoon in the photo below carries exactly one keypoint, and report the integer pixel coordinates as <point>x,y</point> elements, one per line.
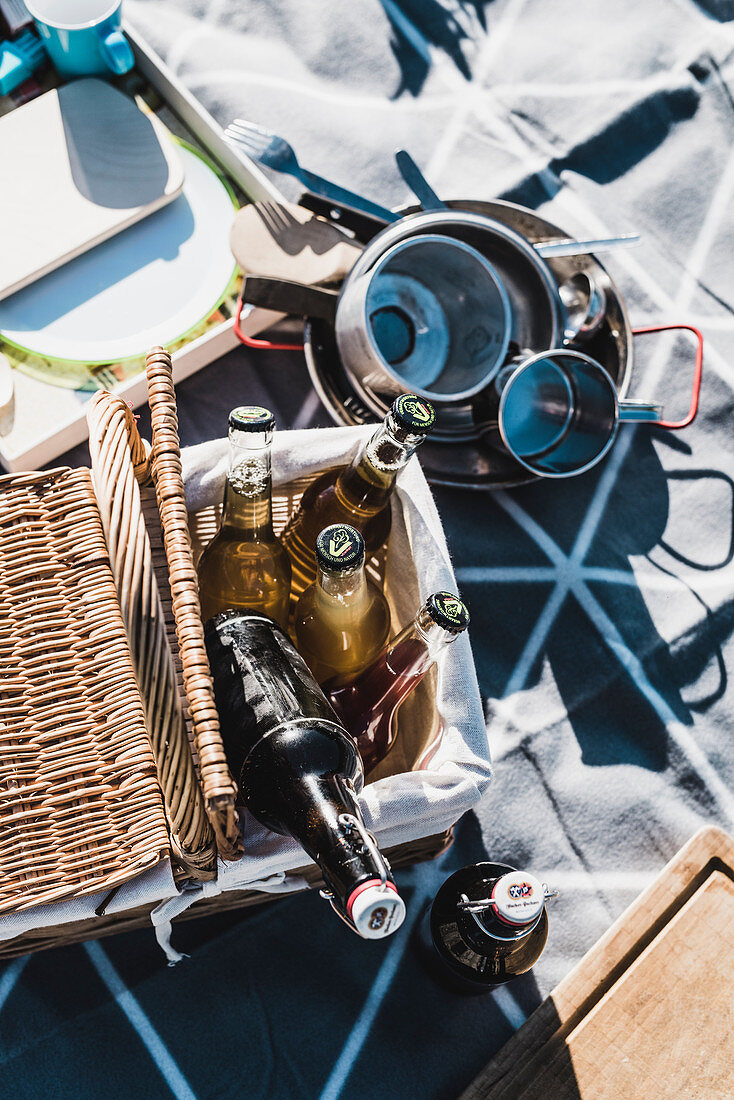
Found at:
<point>285,241</point>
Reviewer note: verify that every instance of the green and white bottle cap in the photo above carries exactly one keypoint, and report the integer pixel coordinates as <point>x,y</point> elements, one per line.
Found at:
<point>339,547</point>
<point>251,418</point>
<point>519,897</point>
<point>414,414</point>
<point>448,611</point>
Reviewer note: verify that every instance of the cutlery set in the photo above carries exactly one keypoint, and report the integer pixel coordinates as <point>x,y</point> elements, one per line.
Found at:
<point>274,152</point>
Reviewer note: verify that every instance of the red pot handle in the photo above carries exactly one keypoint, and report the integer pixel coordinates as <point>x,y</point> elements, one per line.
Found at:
<point>673,425</point>
<point>690,416</point>
<point>251,342</point>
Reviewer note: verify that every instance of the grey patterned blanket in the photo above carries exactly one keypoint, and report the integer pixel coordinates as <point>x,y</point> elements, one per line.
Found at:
<point>602,605</point>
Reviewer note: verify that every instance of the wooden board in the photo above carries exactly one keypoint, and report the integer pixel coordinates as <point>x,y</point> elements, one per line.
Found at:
<point>79,164</point>
<point>286,241</point>
<point>649,1011</point>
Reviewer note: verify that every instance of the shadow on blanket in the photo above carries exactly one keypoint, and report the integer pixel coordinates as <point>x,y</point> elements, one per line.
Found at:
<point>420,24</point>
<point>619,680</point>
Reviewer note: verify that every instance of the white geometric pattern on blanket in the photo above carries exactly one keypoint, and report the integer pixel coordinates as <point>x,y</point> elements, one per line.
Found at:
<point>570,577</point>
<point>567,571</point>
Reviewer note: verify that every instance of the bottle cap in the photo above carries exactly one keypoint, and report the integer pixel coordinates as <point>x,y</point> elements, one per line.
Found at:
<point>339,547</point>
<point>376,910</point>
<point>448,611</point>
<point>414,414</point>
<point>519,897</point>
<point>251,418</point>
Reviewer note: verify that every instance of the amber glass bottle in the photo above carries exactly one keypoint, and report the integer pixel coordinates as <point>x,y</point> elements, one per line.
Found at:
<point>342,620</point>
<point>487,925</point>
<point>358,494</point>
<point>368,704</point>
<point>298,770</point>
<point>245,565</point>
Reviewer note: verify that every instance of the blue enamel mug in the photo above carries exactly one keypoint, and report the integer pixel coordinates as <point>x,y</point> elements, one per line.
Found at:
<point>83,37</point>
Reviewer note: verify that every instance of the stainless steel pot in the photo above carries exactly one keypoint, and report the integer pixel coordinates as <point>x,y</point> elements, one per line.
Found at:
<point>429,316</point>
<point>537,318</point>
<point>460,451</point>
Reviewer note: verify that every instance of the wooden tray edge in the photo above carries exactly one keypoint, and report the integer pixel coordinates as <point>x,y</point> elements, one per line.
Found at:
<point>708,849</point>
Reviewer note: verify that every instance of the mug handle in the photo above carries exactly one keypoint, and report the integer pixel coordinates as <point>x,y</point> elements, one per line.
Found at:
<point>117,53</point>
<point>643,412</point>
<point>640,410</point>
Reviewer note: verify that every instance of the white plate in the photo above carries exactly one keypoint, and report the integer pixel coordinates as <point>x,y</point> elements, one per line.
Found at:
<point>148,285</point>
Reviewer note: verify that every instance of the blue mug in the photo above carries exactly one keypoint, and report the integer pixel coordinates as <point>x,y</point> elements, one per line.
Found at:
<point>83,37</point>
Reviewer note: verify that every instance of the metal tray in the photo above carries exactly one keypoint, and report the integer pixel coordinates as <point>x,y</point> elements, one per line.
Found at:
<point>459,457</point>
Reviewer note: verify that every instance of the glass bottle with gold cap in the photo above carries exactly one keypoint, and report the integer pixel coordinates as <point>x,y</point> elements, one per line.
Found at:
<point>358,494</point>
<point>342,620</point>
<point>245,564</point>
<point>368,704</point>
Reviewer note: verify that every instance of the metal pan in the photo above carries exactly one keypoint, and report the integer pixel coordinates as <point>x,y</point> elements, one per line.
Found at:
<point>460,452</point>
<point>537,316</point>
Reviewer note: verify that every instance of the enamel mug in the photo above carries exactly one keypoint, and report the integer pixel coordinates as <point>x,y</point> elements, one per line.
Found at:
<point>83,37</point>
<point>558,412</point>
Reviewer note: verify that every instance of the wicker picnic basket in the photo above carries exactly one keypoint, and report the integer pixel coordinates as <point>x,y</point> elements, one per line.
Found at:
<point>110,752</point>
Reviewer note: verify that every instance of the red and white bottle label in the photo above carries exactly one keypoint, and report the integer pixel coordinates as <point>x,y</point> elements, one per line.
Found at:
<point>376,910</point>
<point>519,897</point>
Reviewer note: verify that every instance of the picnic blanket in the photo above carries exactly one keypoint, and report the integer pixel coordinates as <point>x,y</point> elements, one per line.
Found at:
<point>602,609</point>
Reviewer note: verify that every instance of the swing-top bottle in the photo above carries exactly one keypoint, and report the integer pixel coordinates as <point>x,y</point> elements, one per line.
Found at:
<point>487,925</point>
<point>297,768</point>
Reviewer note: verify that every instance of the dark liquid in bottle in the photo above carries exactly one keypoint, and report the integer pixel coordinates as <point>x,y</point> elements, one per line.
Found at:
<point>297,768</point>
<point>260,684</point>
<point>473,953</point>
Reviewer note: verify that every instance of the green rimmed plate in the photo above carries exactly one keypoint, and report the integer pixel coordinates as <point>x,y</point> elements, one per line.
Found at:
<point>159,282</point>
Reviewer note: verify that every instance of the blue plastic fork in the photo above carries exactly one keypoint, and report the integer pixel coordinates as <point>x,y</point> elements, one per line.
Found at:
<point>274,152</point>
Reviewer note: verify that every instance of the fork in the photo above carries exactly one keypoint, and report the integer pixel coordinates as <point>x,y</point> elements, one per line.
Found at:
<point>105,377</point>
<point>274,152</point>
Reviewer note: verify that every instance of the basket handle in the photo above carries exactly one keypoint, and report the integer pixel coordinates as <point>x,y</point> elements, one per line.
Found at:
<point>120,464</point>
<point>219,789</point>
<point>109,415</point>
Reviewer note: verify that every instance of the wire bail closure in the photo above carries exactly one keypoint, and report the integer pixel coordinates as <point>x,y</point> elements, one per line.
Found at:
<point>349,821</point>
<point>480,904</point>
<point>352,824</point>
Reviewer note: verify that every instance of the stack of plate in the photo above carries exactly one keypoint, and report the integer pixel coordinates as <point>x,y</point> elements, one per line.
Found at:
<point>116,233</point>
